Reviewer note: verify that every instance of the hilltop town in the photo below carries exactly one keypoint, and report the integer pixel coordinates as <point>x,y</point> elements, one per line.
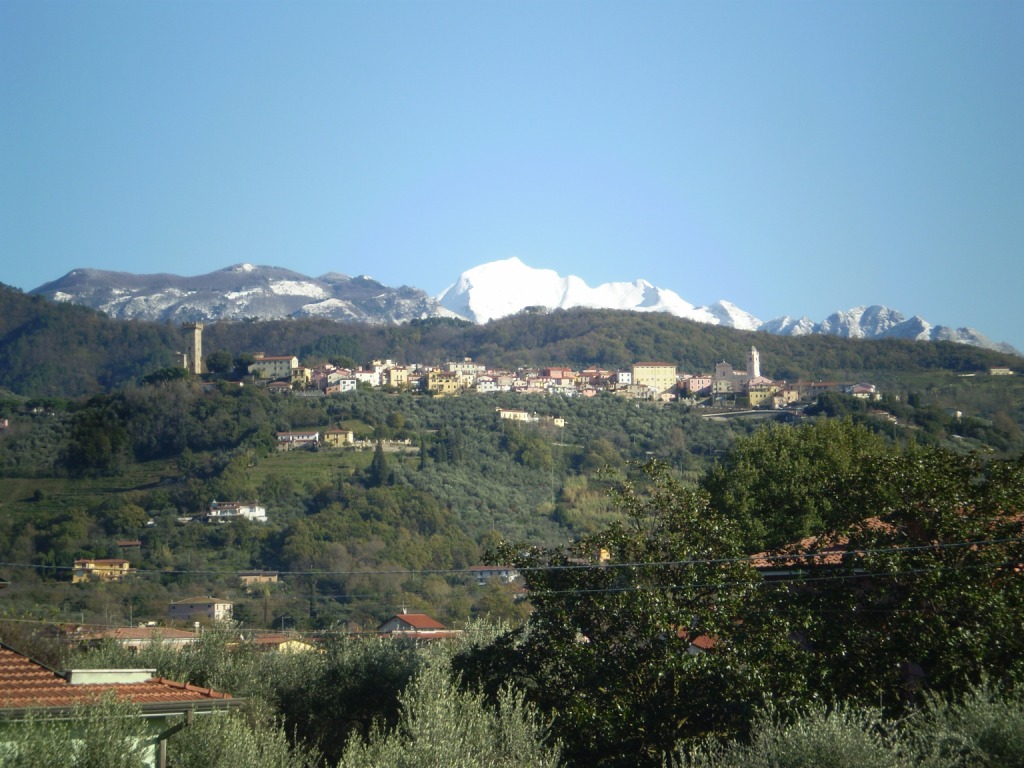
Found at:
<point>726,386</point>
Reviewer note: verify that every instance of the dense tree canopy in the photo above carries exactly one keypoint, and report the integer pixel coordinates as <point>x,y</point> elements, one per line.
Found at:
<point>910,583</point>
<point>644,634</point>
<point>783,483</point>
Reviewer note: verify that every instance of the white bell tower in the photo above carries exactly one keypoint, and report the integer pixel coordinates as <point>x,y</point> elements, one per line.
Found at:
<point>753,363</point>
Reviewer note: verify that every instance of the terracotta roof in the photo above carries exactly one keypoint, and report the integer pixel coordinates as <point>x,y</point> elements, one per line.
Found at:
<point>703,642</point>
<point>418,621</point>
<point>200,601</point>
<point>700,642</point>
<point>488,568</point>
<point>273,639</point>
<point>28,685</point>
<point>816,550</point>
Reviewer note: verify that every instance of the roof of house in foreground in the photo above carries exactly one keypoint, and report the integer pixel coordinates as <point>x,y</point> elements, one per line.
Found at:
<point>420,621</point>
<point>27,685</point>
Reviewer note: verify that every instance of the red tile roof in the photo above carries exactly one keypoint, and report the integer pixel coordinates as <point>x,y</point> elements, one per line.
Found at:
<point>816,550</point>
<point>26,684</point>
<point>418,621</point>
<point>421,621</point>
<point>201,601</point>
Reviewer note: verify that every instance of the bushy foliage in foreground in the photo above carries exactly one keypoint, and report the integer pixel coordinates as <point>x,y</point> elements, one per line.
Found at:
<point>320,698</point>
<point>443,725</point>
<point>105,734</point>
<point>842,738</point>
<point>231,741</point>
<point>984,728</point>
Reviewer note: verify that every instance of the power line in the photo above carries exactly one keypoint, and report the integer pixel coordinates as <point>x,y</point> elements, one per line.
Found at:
<point>792,558</point>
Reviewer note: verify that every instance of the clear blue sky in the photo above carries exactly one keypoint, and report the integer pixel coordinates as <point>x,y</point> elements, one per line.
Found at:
<point>791,157</point>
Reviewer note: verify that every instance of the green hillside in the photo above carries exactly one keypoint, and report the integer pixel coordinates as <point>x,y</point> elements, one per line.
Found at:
<point>60,350</point>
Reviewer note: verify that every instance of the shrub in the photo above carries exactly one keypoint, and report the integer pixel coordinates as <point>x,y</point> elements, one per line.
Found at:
<point>232,741</point>
<point>840,738</point>
<point>107,733</point>
<point>984,728</point>
<point>441,725</point>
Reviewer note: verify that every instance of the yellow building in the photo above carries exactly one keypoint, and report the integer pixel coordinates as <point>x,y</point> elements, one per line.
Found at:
<point>661,377</point>
<point>111,569</point>
<point>444,383</point>
<point>397,376</point>
<point>252,578</point>
<point>336,438</point>
<point>276,367</point>
<point>761,395</point>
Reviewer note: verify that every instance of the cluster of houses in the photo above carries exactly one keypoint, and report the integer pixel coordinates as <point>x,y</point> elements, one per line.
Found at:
<point>643,380</point>
<point>207,610</point>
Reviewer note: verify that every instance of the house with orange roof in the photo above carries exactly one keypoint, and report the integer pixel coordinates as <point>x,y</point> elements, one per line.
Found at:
<point>31,692</point>
<point>417,626</point>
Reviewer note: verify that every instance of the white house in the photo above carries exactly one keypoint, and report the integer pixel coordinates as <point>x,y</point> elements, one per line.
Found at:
<point>302,439</point>
<point>484,573</point>
<point>226,511</point>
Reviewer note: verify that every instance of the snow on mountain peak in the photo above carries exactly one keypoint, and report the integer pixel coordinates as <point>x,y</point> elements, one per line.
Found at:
<point>480,294</point>
<point>507,286</point>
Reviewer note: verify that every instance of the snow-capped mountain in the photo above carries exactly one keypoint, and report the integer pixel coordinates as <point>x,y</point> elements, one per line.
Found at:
<point>877,322</point>
<point>487,292</point>
<point>242,291</point>
<point>501,288</point>
<point>508,286</point>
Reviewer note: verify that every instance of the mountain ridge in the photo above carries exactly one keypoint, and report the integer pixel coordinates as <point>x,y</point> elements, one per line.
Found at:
<point>489,291</point>
<point>483,293</point>
<point>241,291</point>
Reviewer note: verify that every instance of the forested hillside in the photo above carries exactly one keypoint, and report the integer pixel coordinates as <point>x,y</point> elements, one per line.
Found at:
<point>57,350</point>
<point>62,350</point>
<point>455,480</point>
<point>106,440</point>
<point>660,635</point>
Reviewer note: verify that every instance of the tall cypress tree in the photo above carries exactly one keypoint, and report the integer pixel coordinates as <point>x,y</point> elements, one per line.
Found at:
<point>378,467</point>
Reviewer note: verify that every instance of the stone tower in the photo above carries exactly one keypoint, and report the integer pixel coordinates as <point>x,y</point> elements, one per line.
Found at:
<point>194,356</point>
<point>753,363</point>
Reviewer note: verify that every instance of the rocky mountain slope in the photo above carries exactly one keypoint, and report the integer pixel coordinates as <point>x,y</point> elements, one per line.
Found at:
<point>239,292</point>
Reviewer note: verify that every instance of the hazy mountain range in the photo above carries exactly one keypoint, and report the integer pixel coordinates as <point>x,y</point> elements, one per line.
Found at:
<point>480,294</point>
